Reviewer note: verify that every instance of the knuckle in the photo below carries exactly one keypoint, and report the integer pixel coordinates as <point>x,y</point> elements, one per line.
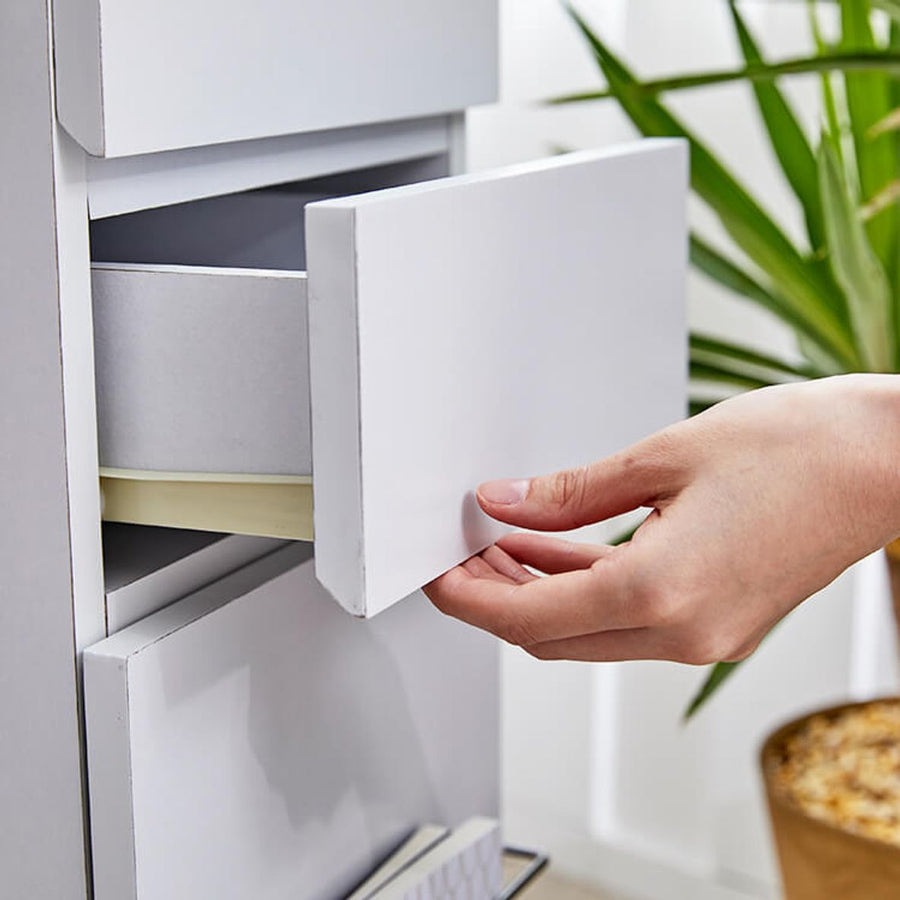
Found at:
<point>657,607</point>
<point>742,652</point>
<point>516,630</point>
<point>705,649</point>
<point>567,488</point>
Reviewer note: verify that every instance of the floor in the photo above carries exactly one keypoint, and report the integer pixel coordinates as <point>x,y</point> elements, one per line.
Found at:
<point>551,886</point>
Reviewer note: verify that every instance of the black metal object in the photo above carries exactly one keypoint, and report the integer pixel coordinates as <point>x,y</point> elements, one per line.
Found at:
<point>537,863</point>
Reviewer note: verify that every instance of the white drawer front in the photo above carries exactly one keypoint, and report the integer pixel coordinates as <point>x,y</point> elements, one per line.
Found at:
<point>253,741</point>
<point>140,76</point>
<point>494,325</point>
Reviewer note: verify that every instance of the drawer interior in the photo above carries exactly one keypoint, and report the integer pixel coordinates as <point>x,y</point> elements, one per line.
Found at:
<point>201,350</point>
<point>261,229</point>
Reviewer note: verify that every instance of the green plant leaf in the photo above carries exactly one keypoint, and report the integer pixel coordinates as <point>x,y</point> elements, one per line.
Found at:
<point>786,136</point>
<point>877,62</point>
<point>725,272</point>
<point>891,122</point>
<point>721,373</point>
<point>624,538</point>
<point>801,286</point>
<point>868,102</point>
<point>706,348</point>
<point>718,675</point>
<point>816,358</point>
<point>884,199</point>
<point>894,137</point>
<point>891,7</point>
<point>856,267</point>
<point>697,405</point>
<point>829,100</point>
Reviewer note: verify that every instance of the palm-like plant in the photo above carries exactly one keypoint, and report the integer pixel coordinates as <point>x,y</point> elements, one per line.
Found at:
<point>839,289</point>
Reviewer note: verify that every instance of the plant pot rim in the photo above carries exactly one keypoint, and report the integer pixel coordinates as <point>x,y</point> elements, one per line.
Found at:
<point>777,799</point>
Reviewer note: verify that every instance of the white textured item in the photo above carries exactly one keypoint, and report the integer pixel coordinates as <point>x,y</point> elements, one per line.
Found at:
<point>465,866</point>
<point>253,741</point>
<point>140,76</point>
<point>494,325</point>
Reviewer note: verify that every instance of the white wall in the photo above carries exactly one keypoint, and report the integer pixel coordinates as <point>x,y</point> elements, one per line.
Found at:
<point>598,767</point>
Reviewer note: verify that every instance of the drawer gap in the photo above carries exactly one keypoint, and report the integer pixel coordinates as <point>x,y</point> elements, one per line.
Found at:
<point>259,229</point>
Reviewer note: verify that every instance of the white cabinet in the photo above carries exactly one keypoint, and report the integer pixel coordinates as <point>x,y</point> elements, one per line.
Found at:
<point>252,740</point>
<point>140,76</point>
<point>252,734</point>
<point>461,329</point>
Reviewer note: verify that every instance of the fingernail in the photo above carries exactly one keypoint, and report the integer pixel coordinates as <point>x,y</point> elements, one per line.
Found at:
<point>506,492</point>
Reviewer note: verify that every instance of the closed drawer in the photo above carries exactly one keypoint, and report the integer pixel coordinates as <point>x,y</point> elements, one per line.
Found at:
<point>141,76</point>
<point>251,740</point>
<point>146,569</point>
<point>458,330</point>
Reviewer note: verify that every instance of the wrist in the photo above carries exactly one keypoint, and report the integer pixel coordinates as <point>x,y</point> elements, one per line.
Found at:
<point>876,398</point>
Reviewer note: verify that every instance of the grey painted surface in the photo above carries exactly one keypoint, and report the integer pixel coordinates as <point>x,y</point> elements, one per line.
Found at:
<point>253,740</point>
<point>202,370</point>
<point>42,851</point>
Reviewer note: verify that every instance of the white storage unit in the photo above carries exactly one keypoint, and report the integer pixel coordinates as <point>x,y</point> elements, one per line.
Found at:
<point>241,726</point>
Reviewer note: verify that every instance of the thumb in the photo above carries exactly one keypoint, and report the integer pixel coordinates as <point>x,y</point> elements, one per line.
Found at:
<point>582,496</point>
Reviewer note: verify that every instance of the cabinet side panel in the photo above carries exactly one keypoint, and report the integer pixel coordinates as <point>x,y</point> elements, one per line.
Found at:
<point>40,774</point>
<point>79,83</point>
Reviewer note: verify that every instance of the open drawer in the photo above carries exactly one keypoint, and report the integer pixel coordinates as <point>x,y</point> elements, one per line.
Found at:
<point>462,329</point>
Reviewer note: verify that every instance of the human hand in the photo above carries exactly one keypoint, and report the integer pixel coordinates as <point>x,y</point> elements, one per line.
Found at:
<point>756,504</point>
